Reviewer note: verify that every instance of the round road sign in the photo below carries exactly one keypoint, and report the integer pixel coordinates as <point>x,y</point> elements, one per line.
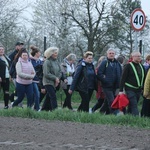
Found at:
<point>138,19</point>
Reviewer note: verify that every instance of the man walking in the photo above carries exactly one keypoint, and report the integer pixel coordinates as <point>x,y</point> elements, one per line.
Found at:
<point>132,81</point>
<point>109,73</point>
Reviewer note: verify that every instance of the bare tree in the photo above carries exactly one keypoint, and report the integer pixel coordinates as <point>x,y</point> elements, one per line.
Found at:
<point>9,22</point>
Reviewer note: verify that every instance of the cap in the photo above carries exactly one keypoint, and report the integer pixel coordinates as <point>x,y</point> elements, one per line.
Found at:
<point>19,43</point>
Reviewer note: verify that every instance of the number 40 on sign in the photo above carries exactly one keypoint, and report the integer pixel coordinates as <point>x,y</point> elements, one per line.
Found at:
<point>138,19</point>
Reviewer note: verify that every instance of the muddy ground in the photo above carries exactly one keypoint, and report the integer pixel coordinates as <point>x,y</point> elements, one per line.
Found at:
<point>32,134</point>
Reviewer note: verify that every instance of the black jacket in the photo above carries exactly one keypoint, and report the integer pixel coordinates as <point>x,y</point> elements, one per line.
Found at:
<point>81,79</point>
<point>109,73</point>
<point>129,77</point>
<point>3,67</point>
<point>12,55</point>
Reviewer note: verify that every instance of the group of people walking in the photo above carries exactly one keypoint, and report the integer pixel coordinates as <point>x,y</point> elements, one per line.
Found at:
<point>36,78</point>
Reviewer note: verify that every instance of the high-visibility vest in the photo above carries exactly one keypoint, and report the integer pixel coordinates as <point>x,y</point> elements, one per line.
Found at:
<point>137,77</point>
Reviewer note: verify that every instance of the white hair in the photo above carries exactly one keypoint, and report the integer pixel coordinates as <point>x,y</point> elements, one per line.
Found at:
<point>135,53</point>
<point>111,49</point>
<point>50,51</point>
<point>71,56</point>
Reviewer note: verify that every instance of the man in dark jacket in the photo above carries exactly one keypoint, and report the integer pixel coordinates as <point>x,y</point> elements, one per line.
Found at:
<point>12,71</point>
<point>109,73</point>
<point>132,81</point>
<point>18,46</point>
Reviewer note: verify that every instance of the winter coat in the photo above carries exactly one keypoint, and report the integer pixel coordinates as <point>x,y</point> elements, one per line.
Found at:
<point>51,71</point>
<point>109,73</point>
<point>3,66</point>
<point>25,71</point>
<point>37,63</point>
<point>12,55</point>
<point>82,80</point>
<point>67,71</point>
<point>129,77</point>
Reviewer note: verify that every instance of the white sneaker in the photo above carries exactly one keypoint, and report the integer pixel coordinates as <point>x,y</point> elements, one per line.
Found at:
<point>39,110</point>
<point>120,113</point>
<point>12,103</point>
<point>90,110</point>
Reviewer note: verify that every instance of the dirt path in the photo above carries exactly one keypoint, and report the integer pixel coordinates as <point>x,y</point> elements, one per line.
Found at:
<point>31,134</point>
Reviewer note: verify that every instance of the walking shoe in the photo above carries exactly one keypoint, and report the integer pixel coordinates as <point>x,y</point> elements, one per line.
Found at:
<point>12,104</point>
<point>6,107</point>
<point>39,110</point>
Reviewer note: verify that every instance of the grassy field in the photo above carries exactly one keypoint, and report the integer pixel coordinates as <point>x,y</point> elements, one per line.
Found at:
<point>67,115</point>
<point>82,117</point>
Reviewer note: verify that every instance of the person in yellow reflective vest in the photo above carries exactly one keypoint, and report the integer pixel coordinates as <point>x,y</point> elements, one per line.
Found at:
<point>132,82</point>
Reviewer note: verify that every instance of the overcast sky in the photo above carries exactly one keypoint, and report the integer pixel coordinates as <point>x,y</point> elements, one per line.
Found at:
<point>146,7</point>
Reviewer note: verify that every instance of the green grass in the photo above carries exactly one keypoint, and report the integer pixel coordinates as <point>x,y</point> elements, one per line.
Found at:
<point>81,117</point>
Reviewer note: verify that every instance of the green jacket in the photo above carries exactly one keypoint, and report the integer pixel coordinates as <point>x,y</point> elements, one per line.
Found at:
<point>51,71</point>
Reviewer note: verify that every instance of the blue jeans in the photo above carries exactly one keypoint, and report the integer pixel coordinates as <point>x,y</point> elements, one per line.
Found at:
<point>133,102</point>
<point>36,96</point>
<point>23,90</point>
<point>52,94</point>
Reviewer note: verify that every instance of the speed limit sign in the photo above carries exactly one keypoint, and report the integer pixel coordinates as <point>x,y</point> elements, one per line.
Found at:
<point>138,19</point>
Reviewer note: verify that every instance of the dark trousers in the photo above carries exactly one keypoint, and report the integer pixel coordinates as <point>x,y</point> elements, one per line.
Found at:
<point>98,104</point>
<point>84,106</point>
<point>52,94</point>
<point>67,102</point>
<point>5,87</point>
<point>110,96</point>
<point>145,112</point>
<point>42,95</point>
<point>103,105</point>
<point>46,104</point>
<point>133,102</point>
<point>104,108</point>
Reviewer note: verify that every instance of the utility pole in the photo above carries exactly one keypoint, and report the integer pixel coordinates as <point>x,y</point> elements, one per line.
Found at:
<point>44,43</point>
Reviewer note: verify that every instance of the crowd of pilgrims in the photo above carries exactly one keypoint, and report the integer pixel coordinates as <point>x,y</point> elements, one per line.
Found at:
<point>39,80</point>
